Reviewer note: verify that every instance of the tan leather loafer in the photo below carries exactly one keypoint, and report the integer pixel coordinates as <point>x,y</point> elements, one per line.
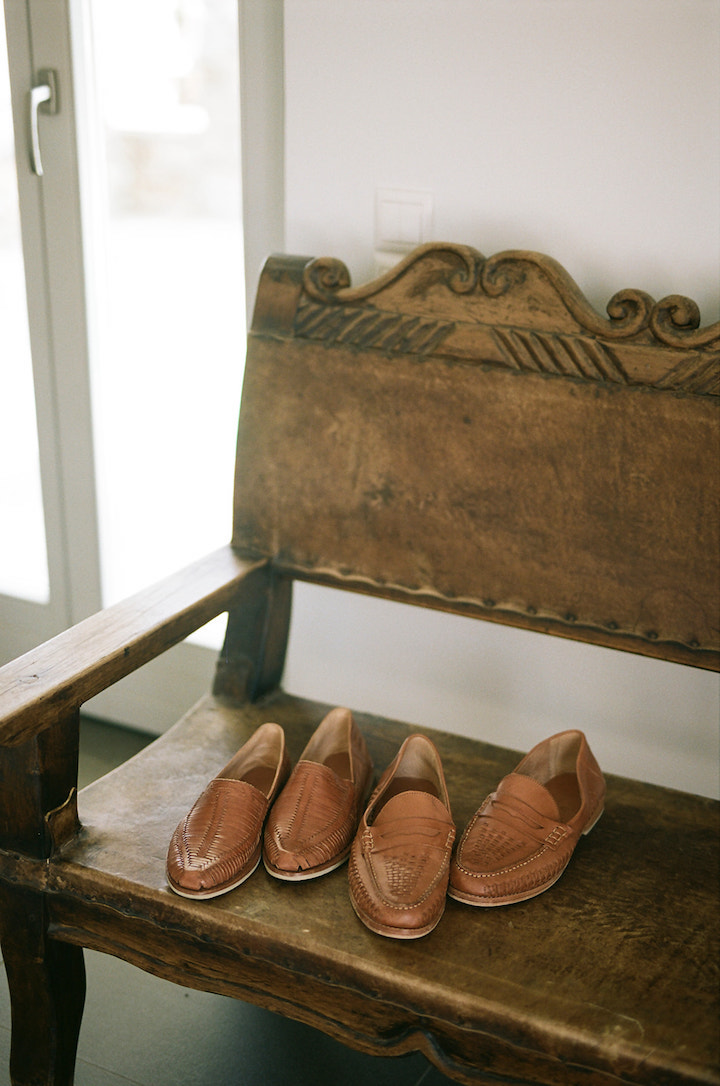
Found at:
<point>400,858</point>
<point>312,823</point>
<point>219,842</point>
<point>521,839</point>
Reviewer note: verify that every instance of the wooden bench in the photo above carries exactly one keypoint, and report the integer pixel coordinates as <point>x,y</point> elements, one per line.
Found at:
<point>465,434</point>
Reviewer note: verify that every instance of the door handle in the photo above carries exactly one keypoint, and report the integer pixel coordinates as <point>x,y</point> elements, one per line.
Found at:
<point>43,97</point>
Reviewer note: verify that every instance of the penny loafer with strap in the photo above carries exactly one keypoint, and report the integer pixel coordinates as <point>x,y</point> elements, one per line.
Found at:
<point>313,821</point>
<point>521,839</point>
<point>399,864</point>
<point>219,842</point>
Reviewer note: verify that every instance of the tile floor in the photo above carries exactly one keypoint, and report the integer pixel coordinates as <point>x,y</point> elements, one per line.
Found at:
<point>140,1030</point>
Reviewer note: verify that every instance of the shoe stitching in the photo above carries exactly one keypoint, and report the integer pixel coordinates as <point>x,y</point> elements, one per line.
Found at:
<point>557,835</point>
<point>503,870</point>
<point>210,835</point>
<point>193,854</point>
<point>306,802</point>
<point>381,900</point>
<point>444,867</point>
<point>329,841</point>
<point>206,854</point>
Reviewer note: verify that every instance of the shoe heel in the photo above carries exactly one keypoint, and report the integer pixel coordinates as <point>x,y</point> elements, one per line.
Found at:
<point>595,820</point>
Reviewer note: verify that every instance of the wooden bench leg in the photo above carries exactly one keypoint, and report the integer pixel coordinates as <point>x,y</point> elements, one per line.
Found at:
<point>47,993</point>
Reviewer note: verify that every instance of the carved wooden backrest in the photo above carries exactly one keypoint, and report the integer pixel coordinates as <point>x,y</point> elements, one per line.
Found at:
<point>470,434</point>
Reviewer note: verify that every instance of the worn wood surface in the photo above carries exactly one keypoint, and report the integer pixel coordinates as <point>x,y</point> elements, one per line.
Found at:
<point>40,688</point>
<point>38,789</point>
<point>479,440</point>
<point>613,971</point>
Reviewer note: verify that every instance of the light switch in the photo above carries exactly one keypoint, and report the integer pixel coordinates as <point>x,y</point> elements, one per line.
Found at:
<point>403,218</point>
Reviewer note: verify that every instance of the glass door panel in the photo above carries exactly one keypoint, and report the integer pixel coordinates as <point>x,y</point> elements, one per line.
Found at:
<point>23,556</point>
<point>167,379</point>
<point>166,376</point>
<point>133,246</point>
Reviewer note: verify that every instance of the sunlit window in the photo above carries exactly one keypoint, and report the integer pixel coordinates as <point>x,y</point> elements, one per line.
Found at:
<point>167,373</point>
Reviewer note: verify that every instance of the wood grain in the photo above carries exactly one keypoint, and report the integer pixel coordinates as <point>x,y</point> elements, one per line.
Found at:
<point>613,970</point>
<point>38,689</point>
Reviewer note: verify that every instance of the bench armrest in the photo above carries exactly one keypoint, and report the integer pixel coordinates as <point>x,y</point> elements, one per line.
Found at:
<point>44,685</point>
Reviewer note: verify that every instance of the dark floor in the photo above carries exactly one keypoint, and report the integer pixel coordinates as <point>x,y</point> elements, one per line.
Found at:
<point>141,1030</point>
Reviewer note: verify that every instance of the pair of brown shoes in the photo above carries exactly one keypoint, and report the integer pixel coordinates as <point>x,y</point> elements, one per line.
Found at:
<point>301,823</point>
<point>515,846</point>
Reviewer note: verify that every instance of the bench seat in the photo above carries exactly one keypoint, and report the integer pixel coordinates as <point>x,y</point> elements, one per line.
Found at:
<point>609,975</point>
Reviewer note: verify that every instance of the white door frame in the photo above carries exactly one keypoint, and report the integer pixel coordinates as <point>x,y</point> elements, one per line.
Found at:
<point>38,38</point>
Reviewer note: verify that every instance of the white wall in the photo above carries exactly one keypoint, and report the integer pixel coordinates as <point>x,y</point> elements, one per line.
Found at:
<point>586,129</point>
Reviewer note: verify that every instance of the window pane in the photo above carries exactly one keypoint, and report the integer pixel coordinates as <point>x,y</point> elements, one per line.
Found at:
<point>167,381</point>
<point>23,557</point>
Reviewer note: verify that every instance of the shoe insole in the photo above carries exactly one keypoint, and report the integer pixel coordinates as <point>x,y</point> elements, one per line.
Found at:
<point>261,777</point>
<point>340,764</point>
<point>407,784</point>
<point>564,790</point>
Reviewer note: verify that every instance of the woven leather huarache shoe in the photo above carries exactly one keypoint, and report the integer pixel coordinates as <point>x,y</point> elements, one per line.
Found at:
<point>219,842</point>
<point>400,858</point>
<point>313,821</point>
<point>521,839</point>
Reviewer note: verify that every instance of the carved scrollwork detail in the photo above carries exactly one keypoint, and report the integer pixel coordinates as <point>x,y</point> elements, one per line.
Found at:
<point>464,278</point>
<point>325,277</point>
<point>519,307</point>
<point>563,356</point>
<point>629,310</point>
<point>675,321</point>
<point>328,280</point>
<point>368,327</point>
<point>699,374</point>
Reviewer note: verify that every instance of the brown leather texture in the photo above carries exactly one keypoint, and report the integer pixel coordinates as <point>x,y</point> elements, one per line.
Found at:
<point>521,839</point>
<point>218,843</point>
<point>399,864</point>
<point>313,821</point>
